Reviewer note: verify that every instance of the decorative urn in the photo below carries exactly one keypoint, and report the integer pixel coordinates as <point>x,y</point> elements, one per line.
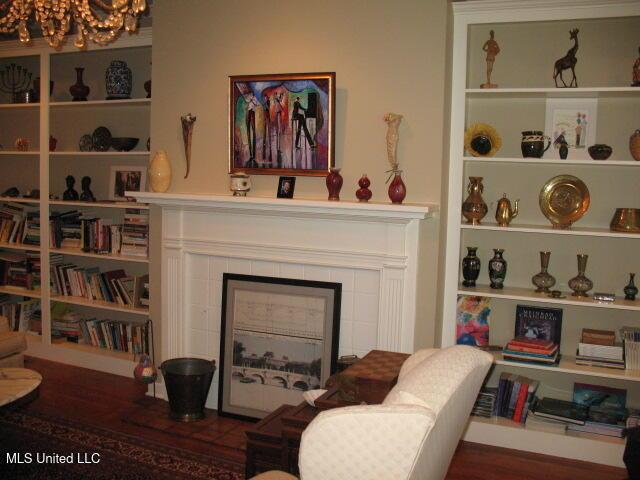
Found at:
<point>118,80</point>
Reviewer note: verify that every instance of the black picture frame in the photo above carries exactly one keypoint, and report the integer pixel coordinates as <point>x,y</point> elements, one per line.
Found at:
<point>542,323</point>
<point>241,301</point>
<point>286,187</point>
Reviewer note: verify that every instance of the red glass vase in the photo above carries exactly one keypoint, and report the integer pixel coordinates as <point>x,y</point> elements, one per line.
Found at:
<point>397,189</point>
<point>334,184</point>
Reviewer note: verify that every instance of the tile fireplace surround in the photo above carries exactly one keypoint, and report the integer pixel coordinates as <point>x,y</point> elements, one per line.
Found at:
<point>371,249</point>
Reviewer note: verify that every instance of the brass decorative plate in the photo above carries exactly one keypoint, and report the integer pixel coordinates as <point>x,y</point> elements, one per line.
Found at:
<point>564,200</point>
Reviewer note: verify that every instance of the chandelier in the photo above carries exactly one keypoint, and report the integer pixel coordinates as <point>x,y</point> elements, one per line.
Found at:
<point>99,21</point>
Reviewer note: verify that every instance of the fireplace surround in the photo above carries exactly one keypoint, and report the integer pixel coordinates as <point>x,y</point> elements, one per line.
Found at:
<point>372,249</point>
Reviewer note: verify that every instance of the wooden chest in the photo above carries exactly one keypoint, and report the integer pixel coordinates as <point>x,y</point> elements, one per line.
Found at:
<point>264,443</point>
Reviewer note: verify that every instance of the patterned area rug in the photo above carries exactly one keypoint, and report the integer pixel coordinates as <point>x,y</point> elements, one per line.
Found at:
<point>122,457</point>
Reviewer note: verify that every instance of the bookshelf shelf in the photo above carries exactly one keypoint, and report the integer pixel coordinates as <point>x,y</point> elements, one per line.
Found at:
<point>20,291</point>
<point>552,92</point>
<point>19,105</point>
<point>33,201</point>
<point>568,365</point>
<point>62,343</point>
<point>19,246</point>
<point>14,153</point>
<point>133,153</point>
<point>144,102</point>
<point>101,204</point>
<point>553,161</point>
<point>79,253</point>
<point>99,304</point>
<point>528,295</point>
<point>549,230</point>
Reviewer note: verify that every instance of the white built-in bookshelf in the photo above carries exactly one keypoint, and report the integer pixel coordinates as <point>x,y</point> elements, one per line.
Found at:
<point>39,168</point>
<point>532,35</point>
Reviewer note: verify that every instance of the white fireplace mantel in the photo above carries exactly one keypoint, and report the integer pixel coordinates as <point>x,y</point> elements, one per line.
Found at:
<point>370,211</point>
<point>372,249</point>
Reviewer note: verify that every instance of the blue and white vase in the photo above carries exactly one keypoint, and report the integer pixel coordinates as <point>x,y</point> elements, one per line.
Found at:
<point>119,80</point>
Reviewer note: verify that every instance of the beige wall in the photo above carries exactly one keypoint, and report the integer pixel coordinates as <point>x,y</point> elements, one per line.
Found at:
<point>387,55</point>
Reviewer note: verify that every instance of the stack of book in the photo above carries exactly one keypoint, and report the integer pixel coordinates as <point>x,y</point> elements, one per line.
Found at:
<point>531,350</point>
<point>135,233</point>
<point>485,403</point>
<point>85,232</point>
<point>514,396</point>
<point>631,338</point>
<point>65,323</point>
<point>561,410</point>
<point>597,348</point>
<point>64,229</point>
<point>23,316</point>
<point>31,234</point>
<point>114,286</point>
<point>20,270</point>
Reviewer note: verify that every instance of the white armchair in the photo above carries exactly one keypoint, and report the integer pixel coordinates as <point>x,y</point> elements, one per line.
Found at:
<point>412,435</point>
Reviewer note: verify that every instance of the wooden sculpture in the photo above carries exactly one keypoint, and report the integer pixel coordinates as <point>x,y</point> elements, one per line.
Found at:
<point>568,62</point>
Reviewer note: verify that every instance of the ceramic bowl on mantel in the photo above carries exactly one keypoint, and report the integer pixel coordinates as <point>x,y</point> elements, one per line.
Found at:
<point>600,151</point>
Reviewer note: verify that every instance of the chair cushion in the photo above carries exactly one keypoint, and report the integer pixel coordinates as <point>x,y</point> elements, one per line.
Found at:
<point>12,343</point>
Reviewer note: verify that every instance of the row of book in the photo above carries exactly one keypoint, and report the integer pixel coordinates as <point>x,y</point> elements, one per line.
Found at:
<point>86,232</point>
<point>19,224</point>
<point>122,336</point>
<point>115,286</point>
<point>23,315</point>
<point>631,339</point>
<point>514,396</point>
<point>135,233</point>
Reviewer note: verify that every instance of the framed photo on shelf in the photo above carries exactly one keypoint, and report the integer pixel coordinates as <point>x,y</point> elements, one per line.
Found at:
<point>282,124</point>
<point>279,338</point>
<point>286,187</point>
<point>539,323</point>
<point>575,119</point>
<point>126,178</point>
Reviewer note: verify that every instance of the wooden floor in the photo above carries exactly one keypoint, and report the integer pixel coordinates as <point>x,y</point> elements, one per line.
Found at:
<point>105,400</point>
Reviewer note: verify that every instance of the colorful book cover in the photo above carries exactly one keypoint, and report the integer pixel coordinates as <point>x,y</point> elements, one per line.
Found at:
<point>472,321</point>
<point>539,323</point>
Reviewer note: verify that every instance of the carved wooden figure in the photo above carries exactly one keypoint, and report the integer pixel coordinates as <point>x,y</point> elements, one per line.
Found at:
<point>568,62</point>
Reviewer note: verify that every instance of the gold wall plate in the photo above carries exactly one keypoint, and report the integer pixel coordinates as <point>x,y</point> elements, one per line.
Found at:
<point>564,200</point>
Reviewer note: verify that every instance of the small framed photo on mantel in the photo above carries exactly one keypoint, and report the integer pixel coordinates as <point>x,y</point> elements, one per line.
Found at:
<point>286,187</point>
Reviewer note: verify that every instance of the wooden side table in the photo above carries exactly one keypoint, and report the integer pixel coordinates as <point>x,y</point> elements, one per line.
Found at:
<point>264,443</point>
<point>18,385</point>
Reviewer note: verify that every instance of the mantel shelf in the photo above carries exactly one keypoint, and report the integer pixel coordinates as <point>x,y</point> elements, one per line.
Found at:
<point>384,212</point>
<point>549,230</point>
<point>555,161</point>
<point>529,295</point>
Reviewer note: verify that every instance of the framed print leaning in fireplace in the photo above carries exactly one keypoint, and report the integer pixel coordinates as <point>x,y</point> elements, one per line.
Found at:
<point>282,124</point>
<point>279,338</point>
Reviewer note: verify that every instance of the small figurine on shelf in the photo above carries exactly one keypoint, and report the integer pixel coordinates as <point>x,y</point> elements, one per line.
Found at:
<point>70,193</point>
<point>563,147</point>
<point>568,62</point>
<point>492,49</point>
<point>22,144</point>
<point>87,194</point>
<point>53,143</point>
<point>636,72</point>
<point>630,291</point>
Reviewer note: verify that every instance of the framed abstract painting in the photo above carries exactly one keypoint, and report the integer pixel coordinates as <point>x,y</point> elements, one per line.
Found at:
<point>282,124</point>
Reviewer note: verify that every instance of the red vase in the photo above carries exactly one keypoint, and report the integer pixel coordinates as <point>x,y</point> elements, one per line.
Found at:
<point>397,189</point>
<point>363,193</point>
<point>334,184</point>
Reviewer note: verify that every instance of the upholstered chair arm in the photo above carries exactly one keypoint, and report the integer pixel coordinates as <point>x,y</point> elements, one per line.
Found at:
<point>372,442</point>
<point>415,359</point>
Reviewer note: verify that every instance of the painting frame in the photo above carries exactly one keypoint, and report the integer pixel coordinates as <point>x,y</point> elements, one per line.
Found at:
<point>113,177</point>
<point>265,128</point>
<point>559,113</point>
<point>245,316</point>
